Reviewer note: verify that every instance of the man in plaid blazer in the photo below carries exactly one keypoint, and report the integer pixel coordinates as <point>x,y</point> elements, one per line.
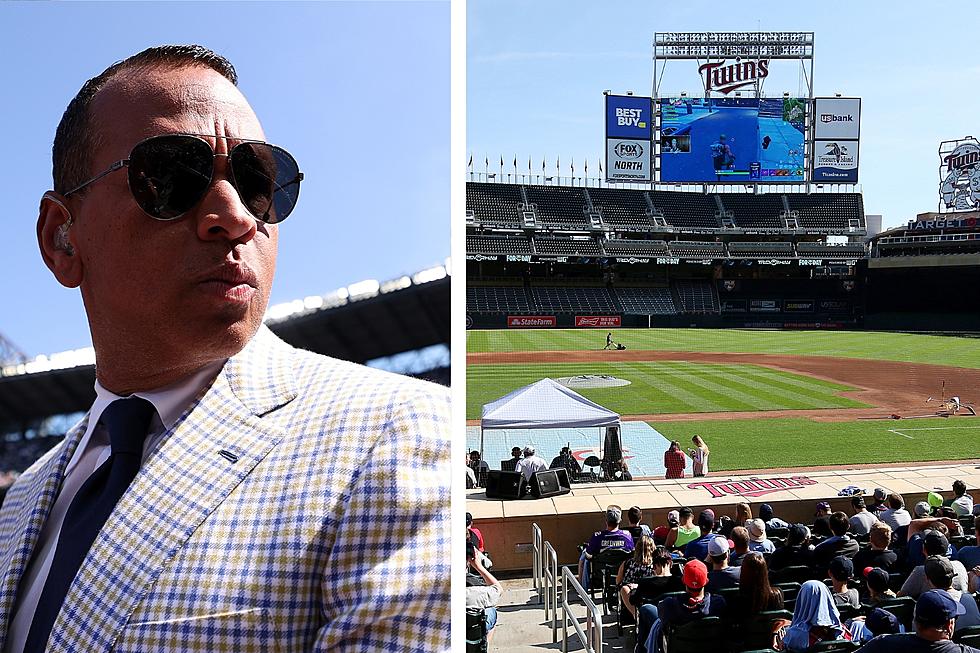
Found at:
<point>284,501</point>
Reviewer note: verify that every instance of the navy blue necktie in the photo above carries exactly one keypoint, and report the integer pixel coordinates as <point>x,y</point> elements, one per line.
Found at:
<point>127,421</point>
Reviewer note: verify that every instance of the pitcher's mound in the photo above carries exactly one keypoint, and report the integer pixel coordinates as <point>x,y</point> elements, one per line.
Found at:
<point>592,381</point>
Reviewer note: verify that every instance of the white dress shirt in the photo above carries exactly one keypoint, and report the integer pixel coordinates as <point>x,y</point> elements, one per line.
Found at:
<point>94,449</point>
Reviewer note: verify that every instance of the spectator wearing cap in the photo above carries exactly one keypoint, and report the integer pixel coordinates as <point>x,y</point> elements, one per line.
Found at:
<point>862,520</point>
<point>473,533</point>
<point>674,461</point>
<point>609,538</point>
<point>961,503</point>
<point>841,572</point>
<point>673,611</point>
<point>878,590</point>
<point>815,618</point>
<point>877,504</point>
<point>766,515</point>
<point>797,552</point>
<point>878,554</point>
<point>740,545</point>
<point>940,573</point>
<point>515,457</point>
<point>896,515</point>
<point>935,620</point>
<point>821,520</point>
<point>917,531</point>
<point>698,549</point>
<point>757,537</point>
<point>661,532</point>
<point>684,531</point>
<point>921,509</point>
<point>970,555</point>
<point>530,463</point>
<point>565,460</point>
<point>933,544</point>
<point>881,622</point>
<point>839,544</point>
<point>722,575</point>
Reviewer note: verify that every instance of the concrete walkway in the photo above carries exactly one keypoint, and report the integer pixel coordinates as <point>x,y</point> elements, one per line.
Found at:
<point>521,627</point>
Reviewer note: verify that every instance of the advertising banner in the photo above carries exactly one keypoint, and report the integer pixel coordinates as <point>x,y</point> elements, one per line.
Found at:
<point>531,321</point>
<point>732,140</point>
<point>733,306</point>
<point>798,305</point>
<point>628,116</point>
<point>628,160</point>
<point>763,306</point>
<point>835,305</point>
<point>598,321</point>
<point>837,118</point>
<point>835,161</point>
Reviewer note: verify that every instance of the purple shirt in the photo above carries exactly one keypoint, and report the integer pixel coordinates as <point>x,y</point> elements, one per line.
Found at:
<point>605,540</point>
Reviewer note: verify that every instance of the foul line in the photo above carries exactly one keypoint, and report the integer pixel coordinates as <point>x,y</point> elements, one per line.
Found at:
<point>932,428</point>
<point>901,434</point>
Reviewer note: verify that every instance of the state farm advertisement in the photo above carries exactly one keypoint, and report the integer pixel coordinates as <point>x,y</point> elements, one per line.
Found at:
<point>598,321</point>
<point>531,321</point>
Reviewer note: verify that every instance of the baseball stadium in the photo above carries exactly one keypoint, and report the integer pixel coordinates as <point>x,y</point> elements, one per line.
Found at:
<point>704,331</point>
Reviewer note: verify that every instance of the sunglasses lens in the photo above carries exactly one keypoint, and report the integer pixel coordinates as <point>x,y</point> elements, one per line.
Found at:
<point>169,175</point>
<point>267,178</point>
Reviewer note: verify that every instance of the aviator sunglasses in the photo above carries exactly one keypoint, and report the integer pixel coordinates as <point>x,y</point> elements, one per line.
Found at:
<point>170,174</point>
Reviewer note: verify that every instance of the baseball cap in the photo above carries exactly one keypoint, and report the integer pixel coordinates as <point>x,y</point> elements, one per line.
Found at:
<point>707,518</point>
<point>673,517</point>
<point>469,518</point>
<point>858,502</point>
<point>660,533</point>
<point>695,574</point>
<point>719,546</point>
<point>823,505</point>
<point>939,570</point>
<point>841,568</point>
<point>935,543</point>
<point>529,450</point>
<point>798,533</point>
<point>880,494</point>
<point>765,512</point>
<point>882,622</point>
<point>877,578</point>
<point>921,509</point>
<point>757,530</point>
<point>936,607</point>
<point>935,499</point>
<point>614,513</point>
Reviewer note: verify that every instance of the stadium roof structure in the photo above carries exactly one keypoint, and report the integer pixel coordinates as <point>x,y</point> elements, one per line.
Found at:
<point>361,322</point>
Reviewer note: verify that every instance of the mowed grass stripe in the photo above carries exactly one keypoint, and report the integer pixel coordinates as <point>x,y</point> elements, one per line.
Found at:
<point>905,347</point>
<point>663,387</point>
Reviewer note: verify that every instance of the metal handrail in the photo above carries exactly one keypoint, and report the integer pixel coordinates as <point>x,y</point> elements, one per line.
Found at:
<point>551,589</point>
<point>591,636</point>
<point>537,562</point>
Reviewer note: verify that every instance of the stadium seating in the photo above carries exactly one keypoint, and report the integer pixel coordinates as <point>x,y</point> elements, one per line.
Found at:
<point>754,211</point>
<point>490,299</point>
<point>646,301</point>
<point>557,246</point>
<point>481,244</point>
<point>760,250</point>
<point>558,206</point>
<point>571,300</point>
<point>621,208</point>
<point>692,210</point>
<point>823,250</point>
<point>618,247</point>
<point>697,297</point>
<point>495,204</point>
<point>697,249</point>
<point>831,211</point>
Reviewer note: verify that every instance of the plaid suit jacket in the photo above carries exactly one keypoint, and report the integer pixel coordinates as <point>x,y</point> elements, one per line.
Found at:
<point>329,531</point>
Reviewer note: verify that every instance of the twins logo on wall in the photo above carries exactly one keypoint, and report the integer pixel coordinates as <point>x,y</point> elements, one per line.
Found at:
<point>960,186</point>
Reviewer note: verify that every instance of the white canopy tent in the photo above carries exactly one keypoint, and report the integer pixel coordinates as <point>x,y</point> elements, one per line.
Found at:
<point>546,404</point>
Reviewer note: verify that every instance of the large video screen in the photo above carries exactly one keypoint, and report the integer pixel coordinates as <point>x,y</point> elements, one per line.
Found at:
<point>732,140</point>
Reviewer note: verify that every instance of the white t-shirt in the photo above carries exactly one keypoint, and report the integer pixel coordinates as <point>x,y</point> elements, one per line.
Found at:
<point>862,522</point>
<point>896,518</point>
<point>528,466</point>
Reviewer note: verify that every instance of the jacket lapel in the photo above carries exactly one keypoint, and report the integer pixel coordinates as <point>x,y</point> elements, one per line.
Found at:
<point>178,487</point>
<point>25,511</point>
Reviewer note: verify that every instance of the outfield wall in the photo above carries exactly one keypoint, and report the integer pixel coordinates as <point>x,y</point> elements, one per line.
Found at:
<point>761,321</point>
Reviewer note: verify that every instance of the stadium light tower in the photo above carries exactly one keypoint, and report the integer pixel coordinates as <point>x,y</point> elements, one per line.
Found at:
<point>9,353</point>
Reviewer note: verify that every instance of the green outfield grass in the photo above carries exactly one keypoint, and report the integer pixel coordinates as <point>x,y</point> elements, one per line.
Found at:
<point>666,387</point>
<point>768,443</point>
<point>911,348</point>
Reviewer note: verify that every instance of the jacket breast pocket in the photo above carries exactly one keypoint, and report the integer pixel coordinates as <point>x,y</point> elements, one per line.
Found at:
<point>236,630</point>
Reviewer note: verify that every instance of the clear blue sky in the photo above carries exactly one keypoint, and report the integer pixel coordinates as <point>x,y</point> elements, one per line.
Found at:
<point>357,91</point>
<point>536,72</point>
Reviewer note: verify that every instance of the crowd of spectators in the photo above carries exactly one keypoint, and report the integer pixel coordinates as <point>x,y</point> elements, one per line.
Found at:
<point>876,571</point>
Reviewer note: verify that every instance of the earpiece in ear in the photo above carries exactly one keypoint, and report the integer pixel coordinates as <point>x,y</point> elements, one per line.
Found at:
<point>61,235</point>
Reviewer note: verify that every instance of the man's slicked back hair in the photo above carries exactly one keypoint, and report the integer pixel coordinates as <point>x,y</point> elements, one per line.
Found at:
<point>74,140</point>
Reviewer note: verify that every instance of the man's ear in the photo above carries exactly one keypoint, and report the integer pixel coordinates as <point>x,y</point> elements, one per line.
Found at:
<point>55,239</point>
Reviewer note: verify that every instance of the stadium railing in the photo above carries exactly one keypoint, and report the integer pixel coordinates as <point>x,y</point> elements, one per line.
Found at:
<point>537,562</point>
<point>551,589</point>
<point>590,637</point>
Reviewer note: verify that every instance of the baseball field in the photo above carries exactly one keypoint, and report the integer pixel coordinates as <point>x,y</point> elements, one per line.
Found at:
<point>761,399</point>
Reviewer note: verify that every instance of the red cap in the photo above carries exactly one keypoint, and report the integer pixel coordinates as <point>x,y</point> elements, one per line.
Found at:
<point>660,532</point>
<point>695,575</point>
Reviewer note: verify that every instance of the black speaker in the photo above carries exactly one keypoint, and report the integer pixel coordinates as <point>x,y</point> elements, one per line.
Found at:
<point>505,485</point>
<point>550,483</point>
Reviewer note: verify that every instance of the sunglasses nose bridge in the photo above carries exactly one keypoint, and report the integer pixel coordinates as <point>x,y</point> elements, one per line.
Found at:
<point>221,213</point>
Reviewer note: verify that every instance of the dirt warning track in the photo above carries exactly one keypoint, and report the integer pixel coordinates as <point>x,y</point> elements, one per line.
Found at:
<point>888,386</point>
